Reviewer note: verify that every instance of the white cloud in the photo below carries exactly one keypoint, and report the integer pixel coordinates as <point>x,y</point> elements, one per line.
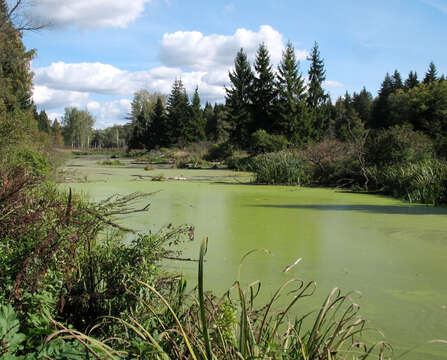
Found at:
<point>88,13</point>
<point>53,99</point>
<point>333,84</point>
<point>112,112</point>
<point>53,116</point>
<point>194,51</point>
<point>93,105</point>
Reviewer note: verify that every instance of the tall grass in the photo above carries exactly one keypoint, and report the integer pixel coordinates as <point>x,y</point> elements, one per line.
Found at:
<point>424,181</point>
<point>202,326</point>
<point>284,167</point>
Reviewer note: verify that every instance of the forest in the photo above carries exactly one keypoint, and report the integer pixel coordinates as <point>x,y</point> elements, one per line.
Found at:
<point>75,284</point>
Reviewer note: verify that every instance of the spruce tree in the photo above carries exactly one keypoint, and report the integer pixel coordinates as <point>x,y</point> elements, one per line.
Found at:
<point>16,108</point>
<point>412,81</point>
<point>210,123</point>
<point>362,104</point>
<point>264,94</point>
<point>178,114</point>
<point>317,75</point>
<point>293,120</point>
<point>432,74</point>
<point>381,108</point>
<point>397,81</point>
<point>197,121</point>
<point>43,123</point>
<point>159,132</point>
<point>238,101</point>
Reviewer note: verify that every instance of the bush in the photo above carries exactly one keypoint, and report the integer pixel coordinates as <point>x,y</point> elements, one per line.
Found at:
<point>398,145</point>
<point>34,163</point>
<point>261,142</point>
<point>286,168</point>
<point>219,152</point>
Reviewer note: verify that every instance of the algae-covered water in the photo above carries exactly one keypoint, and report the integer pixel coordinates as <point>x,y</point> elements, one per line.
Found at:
<point>392,252</point>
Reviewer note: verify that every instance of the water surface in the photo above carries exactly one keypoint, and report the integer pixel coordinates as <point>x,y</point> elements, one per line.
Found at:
<point>394,253</point>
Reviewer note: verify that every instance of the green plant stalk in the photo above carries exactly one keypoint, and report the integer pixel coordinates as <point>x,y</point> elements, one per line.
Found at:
<point>203,249</point>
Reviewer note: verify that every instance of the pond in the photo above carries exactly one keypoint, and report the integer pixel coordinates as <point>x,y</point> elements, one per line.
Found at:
<point>393,253</point>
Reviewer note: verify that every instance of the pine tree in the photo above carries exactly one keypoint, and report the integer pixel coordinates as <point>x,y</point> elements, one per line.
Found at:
<point>397,81</point>
<point>317,75</point>
<point>431,75</point>
<point>238,101</point>
<point>412,81</point>
<point>56,133</point>
<point>292,115</point>
<point>263,95</point>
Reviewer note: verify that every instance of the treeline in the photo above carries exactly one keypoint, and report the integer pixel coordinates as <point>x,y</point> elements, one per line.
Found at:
<point>285,108</point>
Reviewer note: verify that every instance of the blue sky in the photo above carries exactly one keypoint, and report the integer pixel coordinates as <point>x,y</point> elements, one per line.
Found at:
<point>97,53</point>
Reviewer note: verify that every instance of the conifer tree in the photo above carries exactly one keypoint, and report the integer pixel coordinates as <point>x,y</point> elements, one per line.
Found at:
<point>293,120</point>
<point>210,123</point>
<point>178,114</point>
<point>317,75</point>
<point>381,108</point>
<point>43,123</point>
<point>238,101</point>
<point>16,107</point>
<point>362,104</point>
<point>264,94</point>
<point>56,133</point>
<point>412,81</point>
<point>397,81</point>
<point>159,132</point>
<point>432,74</point>
<point>197,121</point>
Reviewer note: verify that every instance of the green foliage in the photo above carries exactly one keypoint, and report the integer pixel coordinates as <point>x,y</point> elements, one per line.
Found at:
<point>262,142</point>
<point>77,127</point>
<point>219,152</point>
<point>21,158</point>
<point>284,168</point>
<point>11,338</point>
<point>398,145</point>
<point>111,162</point>
<point>238,100</point>
<point>315,94</point>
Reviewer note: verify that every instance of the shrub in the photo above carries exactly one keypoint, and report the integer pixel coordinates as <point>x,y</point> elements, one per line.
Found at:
<point>397,145</point>
<point>284,167</point>
<point>111,162</point>
<point>261,142</point>
<point>34,163</point>
<point>219,152</point>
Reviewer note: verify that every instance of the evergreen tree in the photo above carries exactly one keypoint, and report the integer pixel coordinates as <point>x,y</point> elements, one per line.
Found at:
<point>431,75</point>
<point>381,108</point>
<point>293,120</point>
<point>56,133</point>
<point>315,93</point>
<point>16,109</point>
<point>197,121</point>
<point>412,81</point>
<point>178,114</point>
<point>263,95</point>
<point>43,123</point>
<point>210,123</point>
<point>159,132</point>
<point>362,104</point>
<point>238,102</point>
<point>397,81</point>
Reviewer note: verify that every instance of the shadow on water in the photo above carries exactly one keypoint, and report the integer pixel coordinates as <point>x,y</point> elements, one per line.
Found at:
<point>375,209</point>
